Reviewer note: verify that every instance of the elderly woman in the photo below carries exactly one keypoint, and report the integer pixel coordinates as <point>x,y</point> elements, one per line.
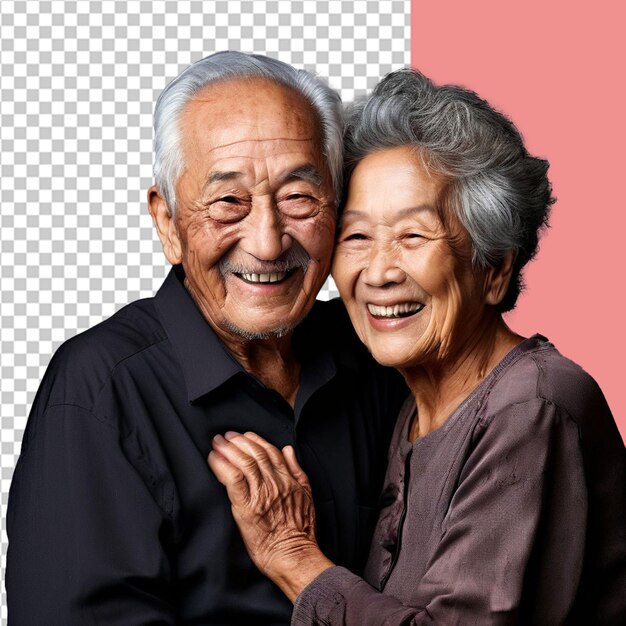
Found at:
<point>505,497</point>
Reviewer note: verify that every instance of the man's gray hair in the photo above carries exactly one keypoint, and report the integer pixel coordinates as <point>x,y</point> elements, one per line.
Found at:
<point>168,154</point>
<point>498,191</point>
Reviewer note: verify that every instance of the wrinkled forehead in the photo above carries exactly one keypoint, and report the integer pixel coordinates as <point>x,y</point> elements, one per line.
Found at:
<point>401,182</point>
<point>246,111</point>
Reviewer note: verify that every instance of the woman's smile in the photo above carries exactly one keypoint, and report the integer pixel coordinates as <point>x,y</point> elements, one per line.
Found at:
<point>394,311</point>
<point>404,273</point>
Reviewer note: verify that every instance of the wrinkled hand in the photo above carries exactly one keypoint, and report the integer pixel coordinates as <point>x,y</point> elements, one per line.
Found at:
<point>272,506</point>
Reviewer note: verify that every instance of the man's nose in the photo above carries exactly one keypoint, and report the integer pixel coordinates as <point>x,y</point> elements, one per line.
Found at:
<point>265,237</point>
<point>383,266</point>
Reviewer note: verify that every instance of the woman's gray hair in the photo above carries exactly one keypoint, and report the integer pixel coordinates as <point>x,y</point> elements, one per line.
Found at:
<point>498,191</point>
<point>168,153</point>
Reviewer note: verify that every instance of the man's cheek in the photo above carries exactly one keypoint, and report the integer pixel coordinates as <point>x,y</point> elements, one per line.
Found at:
<point>210,245</point>
<point>317,238</point>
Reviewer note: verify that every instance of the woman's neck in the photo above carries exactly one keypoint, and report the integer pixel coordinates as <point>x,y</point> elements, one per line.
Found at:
<point>439,386</point>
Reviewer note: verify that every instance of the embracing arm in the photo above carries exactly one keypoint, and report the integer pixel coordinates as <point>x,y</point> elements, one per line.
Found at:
<point>85,535</point>
<point>512,544</point>
<point>273,507</point>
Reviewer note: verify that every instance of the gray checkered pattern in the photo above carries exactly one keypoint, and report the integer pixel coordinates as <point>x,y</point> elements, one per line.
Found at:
<point>77,85</point>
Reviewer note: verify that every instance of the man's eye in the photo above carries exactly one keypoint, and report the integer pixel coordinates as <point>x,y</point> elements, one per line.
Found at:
<point>299,206</point>
<point>228,209</point>
<point>355,237</point>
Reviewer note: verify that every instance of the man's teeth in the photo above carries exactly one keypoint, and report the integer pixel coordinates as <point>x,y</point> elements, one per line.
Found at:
<point>264,278</point>
<point>397,310</point>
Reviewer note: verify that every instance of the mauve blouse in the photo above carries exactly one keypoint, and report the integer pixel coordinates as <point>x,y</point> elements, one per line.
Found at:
<point>512,512</point>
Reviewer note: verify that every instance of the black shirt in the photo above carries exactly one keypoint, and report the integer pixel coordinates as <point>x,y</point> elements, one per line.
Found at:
<point>114,516</point>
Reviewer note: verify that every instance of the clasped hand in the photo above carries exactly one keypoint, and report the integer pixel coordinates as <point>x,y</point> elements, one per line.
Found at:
<point>272,505</point>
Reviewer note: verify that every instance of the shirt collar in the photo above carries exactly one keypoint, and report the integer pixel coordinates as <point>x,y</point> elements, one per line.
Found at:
<point>205,362</point>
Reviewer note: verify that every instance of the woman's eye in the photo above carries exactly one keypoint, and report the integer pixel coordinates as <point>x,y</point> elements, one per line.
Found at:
<point>413,237</point>
<point>355,237</point>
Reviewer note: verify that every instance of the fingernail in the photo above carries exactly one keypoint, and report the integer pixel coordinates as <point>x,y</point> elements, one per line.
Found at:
<point>219,440</point>
<point>231,434</point>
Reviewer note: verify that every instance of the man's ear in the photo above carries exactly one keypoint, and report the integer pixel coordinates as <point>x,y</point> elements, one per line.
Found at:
<point>165,225</point>
<point>497,279</point>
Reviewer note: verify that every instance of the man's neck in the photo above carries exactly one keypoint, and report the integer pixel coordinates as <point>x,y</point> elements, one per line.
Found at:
<point>272,361</point>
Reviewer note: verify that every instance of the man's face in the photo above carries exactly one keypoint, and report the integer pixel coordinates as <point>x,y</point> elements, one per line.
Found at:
<point>255,219</point>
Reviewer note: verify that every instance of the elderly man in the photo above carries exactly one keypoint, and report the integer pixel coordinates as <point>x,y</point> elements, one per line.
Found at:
<point>114,516</point>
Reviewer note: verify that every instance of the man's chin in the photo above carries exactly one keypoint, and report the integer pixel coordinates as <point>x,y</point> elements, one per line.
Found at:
<point>259,335</point>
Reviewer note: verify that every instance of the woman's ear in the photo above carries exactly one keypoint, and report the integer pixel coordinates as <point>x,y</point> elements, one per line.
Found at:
<point>165,225</point>
<point>497,279</point>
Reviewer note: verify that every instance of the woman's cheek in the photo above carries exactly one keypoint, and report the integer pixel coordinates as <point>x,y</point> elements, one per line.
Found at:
<point>347,265</point>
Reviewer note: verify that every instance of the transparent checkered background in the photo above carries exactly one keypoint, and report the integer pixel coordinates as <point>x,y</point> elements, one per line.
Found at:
<point>77,85</point>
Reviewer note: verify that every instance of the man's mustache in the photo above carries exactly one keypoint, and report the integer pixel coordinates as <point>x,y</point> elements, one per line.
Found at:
<point>296,257</point>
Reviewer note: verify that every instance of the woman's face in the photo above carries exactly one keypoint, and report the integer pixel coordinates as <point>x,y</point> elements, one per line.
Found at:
<point>405,276</point>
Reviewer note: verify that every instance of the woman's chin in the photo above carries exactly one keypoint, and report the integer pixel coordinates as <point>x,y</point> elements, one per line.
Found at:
<point>393,358</point>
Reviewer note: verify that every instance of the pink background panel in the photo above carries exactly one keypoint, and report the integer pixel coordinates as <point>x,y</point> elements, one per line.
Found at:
<point>557,69</point>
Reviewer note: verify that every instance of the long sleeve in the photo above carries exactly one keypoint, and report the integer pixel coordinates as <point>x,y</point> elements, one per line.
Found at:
<point>511,545</point>
<point>86,537</point>
<point>338,597</point>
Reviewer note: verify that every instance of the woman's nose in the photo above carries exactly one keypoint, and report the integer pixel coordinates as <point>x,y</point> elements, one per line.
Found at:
<point>383,267</point>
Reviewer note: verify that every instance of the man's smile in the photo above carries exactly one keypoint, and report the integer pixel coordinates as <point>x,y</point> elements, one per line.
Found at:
<point>265,278</point>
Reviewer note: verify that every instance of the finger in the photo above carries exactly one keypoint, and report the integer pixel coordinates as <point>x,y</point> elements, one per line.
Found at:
<point>230,476</point>
<point>274,454</point>
<point>238,457</point>
<point>305,512</point>
<point>289,454</point>
<point>266,455</point>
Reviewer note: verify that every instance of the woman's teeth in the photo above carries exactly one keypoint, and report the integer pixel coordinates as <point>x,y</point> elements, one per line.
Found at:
<point>397,310</point>
<point>264,278</point>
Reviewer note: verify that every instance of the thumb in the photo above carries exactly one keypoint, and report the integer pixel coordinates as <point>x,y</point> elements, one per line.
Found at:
<point>294,467</point>
<point>231,477</point>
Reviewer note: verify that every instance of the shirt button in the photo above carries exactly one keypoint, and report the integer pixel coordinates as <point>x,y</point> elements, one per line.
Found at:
<point>388,496</point>
<point>389,545</point>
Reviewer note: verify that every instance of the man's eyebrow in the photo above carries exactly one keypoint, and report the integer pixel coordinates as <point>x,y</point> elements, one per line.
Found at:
<point>307,173</point>
<point>220,177</point>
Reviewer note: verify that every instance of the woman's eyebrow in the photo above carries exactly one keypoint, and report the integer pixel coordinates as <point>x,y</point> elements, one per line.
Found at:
<point>420,208</point>
<point>400,213</point>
